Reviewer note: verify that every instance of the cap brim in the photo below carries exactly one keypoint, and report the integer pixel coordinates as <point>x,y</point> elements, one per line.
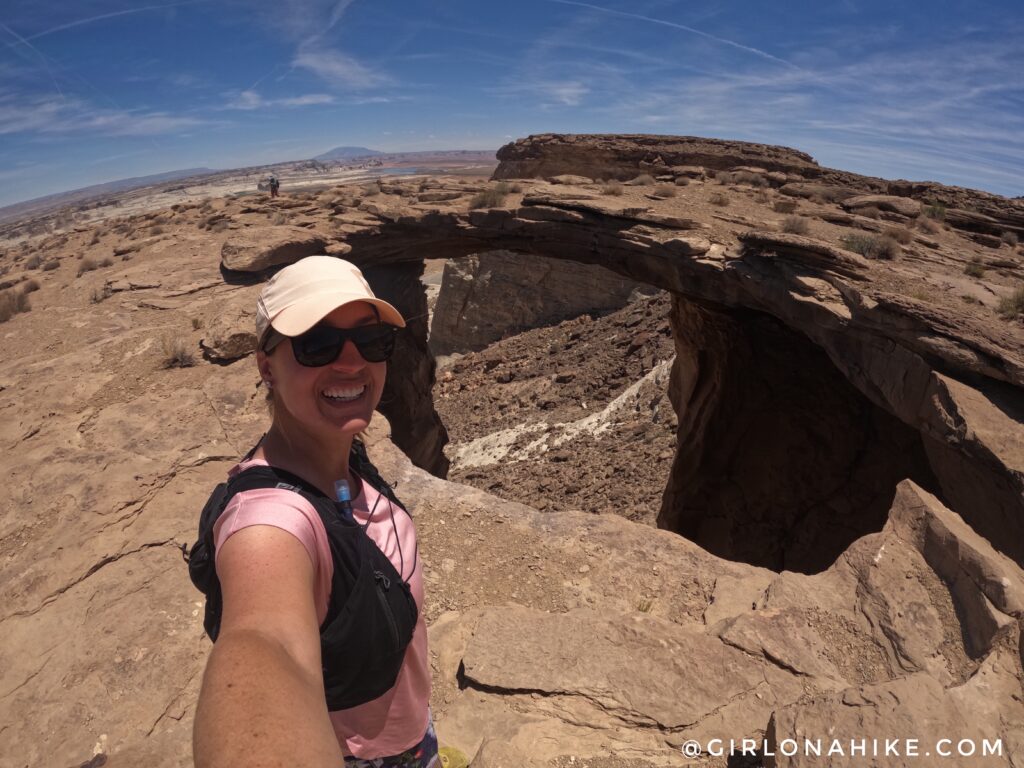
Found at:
<point>299,318</point>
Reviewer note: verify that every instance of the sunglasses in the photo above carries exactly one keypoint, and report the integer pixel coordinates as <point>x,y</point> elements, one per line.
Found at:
<point>322,344</point>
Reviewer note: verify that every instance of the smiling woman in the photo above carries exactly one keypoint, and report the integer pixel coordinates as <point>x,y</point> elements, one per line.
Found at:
<point>308,561</point>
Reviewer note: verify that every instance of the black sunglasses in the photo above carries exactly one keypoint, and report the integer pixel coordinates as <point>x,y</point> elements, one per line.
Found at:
<point>322,344</point>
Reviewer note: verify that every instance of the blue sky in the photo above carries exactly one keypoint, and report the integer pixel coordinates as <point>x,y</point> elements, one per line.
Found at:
<point>97,90</point>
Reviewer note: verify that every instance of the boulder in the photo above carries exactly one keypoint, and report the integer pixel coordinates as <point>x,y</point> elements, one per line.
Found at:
<point>904,206</point>
<point>260,248</point>
<point>231,334</point>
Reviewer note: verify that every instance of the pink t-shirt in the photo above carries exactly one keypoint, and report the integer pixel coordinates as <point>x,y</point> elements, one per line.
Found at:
<point>397,720</point>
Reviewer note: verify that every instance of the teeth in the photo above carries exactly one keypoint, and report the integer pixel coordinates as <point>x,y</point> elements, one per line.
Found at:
<point>347,393</point>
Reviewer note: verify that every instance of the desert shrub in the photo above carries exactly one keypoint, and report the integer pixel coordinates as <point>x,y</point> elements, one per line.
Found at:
<point>13,302</point>
<point>51,265</point>
<point>30,286</point>
<point>197,323</point>
<point>682,181</point>
<point>1012,306</point>
<point>974,269</point>
<point>502,188</point>
<point>784,206</point>
<point>644,179</point>
<point>176,354</point>
<point>515,187</point>
<point>899,234</point>
<point>1010,238</point>
<point>157,230</point>
<point>761,197</point>
<point>611,188</point>
<point>107,262</point>
<point>718,199</point>
<point>34,262</point>
<point>371,190</point>
<point>99,294</point>
<point>928,225</point>
<point>220,226</point>
<point>86,265</point>
<point>746,177</point>
<point>872,246</point>
<point>665,190</point>
<point>936,211</point>
<point>278,219</point>
<point>95,239</point>
<point>870,211</point>
<point>795,225</point>
<point>488,198</point>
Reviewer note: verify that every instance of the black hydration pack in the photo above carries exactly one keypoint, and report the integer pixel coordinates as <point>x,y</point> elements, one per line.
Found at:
<point>371,614</point>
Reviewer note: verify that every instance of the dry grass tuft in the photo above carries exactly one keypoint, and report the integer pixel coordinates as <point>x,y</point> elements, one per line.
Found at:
<point>1012,306</point>
<point>13,302</point>
<point>870,212</point>
<point>176,354</point>
<point>936,211</point>
<point>899,234</point>
<point>100,294</point>
<point>795,225</point>
<point>86,265</point>
<point>488,198</point>
<point>612,188</point>
<point>665,190</point>
<point>927,225</point>
<point>107,262</point>
<point>219,226</point>
<point>974,269</point>
<point>718,199</point>
<point>34,262</point>
<point>682,181</point>
<point>872,246</point>
<point>1010,238</point>
<point>784,206</point>
<point>30,286</point>
<point>51,265</point>
<point>643,180</point>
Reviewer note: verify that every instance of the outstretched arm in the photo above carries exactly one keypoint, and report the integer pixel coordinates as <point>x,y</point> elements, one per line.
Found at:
<point>262,701</point>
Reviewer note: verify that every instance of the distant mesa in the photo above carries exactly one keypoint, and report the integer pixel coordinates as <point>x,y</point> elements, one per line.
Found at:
<point>347,153</point>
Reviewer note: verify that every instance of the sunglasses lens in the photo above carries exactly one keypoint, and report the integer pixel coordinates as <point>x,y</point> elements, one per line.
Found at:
<point>321,345</point>
<point>376,343</point>
<point>317,346</point>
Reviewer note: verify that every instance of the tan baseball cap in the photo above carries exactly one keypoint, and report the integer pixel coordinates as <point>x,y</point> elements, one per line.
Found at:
<point>304,293</point>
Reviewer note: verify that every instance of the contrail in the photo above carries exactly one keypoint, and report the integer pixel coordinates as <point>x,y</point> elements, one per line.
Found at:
<point>37,52</point>
<point>102,16</point>
<point>672,24</point>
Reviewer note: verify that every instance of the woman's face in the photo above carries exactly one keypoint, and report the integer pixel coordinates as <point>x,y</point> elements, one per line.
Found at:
<point>336,398</point>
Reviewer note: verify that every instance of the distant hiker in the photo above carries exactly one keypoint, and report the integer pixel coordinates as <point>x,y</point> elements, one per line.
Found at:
<point>309,563</point>
<point>274,186</point>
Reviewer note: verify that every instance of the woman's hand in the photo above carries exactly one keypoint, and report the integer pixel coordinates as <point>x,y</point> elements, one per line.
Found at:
<point>262,701</point>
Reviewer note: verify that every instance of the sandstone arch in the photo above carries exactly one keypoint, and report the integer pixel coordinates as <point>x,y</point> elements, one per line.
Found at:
<point>932,393</point>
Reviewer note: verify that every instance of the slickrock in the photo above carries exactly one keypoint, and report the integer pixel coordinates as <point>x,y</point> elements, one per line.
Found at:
<point>259,248</point>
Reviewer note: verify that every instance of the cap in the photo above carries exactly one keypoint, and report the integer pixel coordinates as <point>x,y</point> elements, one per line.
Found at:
<point>304,293</point>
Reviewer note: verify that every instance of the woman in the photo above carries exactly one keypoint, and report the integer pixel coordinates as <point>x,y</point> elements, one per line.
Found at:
<point>324,342</point>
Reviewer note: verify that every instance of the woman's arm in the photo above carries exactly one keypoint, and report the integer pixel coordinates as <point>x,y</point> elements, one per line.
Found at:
<point>262,701</point>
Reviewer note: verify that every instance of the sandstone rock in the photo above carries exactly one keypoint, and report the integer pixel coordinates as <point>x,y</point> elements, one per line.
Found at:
<point>438,197</point>
<point>805,250</point>
<point>231,334</point>
<point>904,206</point>
<point>474,307</point>
<point>497,754</point>
<point>568,178</point>
<point>259,248</point>
<point>828,192</point>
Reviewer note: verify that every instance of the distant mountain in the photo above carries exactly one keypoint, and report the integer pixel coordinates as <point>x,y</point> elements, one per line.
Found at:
<point>347,153</point>
<point>76,196</point>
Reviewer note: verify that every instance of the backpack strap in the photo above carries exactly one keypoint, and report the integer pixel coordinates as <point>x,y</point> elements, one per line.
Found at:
<point>359,462</point>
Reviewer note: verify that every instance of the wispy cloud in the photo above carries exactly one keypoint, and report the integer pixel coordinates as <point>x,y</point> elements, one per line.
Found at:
<point>338,69</point>
<point>250,99</point>
<point>49,115</point>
